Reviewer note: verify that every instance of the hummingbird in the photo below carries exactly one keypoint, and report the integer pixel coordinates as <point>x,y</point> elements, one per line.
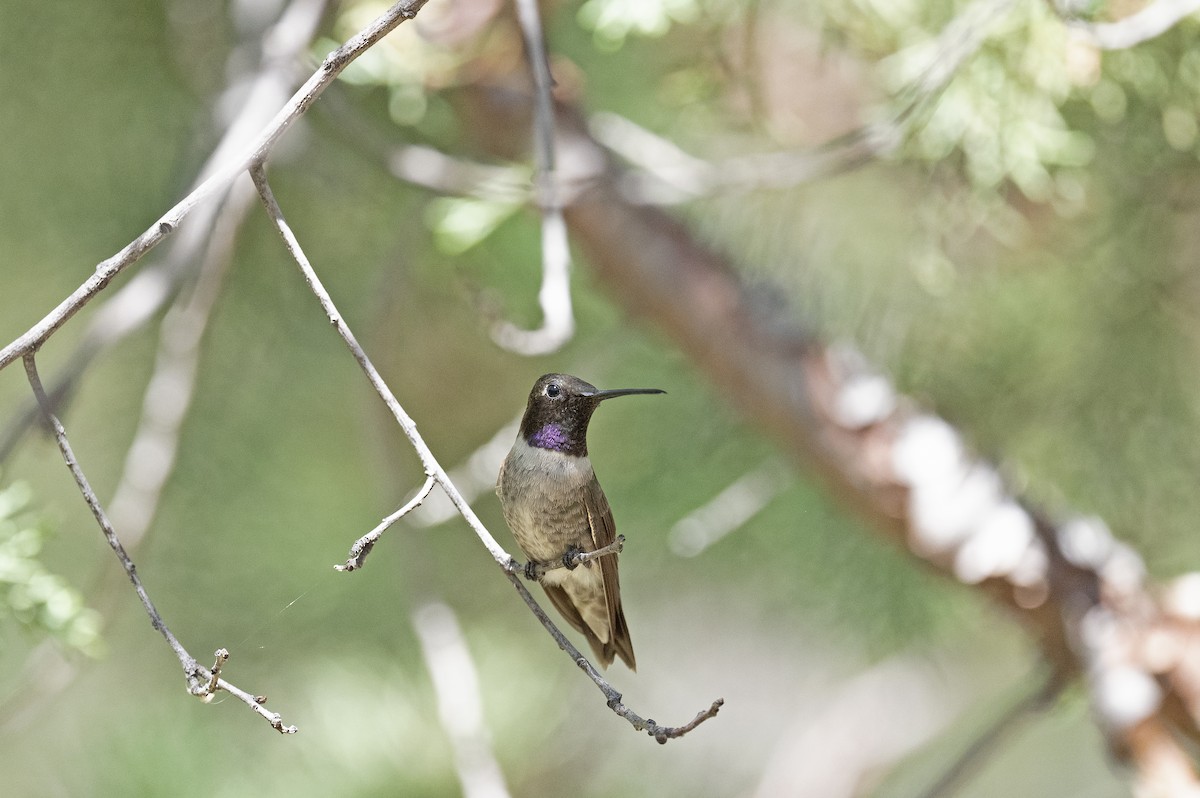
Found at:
<point>555,508</point>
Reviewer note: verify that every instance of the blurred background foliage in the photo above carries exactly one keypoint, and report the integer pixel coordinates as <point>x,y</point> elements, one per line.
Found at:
<point>1024,264</point>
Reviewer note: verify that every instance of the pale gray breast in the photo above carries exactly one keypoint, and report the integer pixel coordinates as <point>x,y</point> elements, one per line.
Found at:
<point>540,494</point>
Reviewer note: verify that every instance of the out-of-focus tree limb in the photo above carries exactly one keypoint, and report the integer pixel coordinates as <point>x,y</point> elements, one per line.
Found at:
<point>1079,592</point>
<point>1154,20</point>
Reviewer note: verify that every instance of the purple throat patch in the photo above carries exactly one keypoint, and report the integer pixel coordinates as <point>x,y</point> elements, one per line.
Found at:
<point>550,436</point>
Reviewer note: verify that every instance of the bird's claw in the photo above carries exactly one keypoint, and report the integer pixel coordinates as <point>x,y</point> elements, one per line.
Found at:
<point>568,559</point>
<point>531,571</point>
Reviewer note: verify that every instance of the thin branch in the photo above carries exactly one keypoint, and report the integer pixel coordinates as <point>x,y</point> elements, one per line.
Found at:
<point>612,697</point>
<point>558,324</point>
<point>152,455</point>
<point>89,496</point>
<point>256,703</point>
<point>362,547</point>
<point>435,471</point>
<point>1148,23</point>
<point>198,678</point>
<point>409,427</point>
<point>473,478</point>
<point>256,152</point>
<point>534,571</point>
<point>207,240</point>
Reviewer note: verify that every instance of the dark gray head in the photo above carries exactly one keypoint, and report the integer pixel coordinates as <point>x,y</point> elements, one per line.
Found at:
<point>560,407</point>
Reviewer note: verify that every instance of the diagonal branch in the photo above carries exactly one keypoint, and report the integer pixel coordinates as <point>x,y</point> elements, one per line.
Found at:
<point>614,698</point>
<point>256,152</point>
<point>437,474</point>
<point>201,682</point>
<point>206,246</point>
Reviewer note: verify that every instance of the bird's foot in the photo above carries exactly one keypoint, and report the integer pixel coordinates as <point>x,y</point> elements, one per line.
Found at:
<point>578,557</point>
<point>570,559</point>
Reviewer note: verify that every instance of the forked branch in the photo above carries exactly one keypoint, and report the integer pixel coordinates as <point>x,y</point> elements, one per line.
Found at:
<point>201,682</point>
<point>362,547</point>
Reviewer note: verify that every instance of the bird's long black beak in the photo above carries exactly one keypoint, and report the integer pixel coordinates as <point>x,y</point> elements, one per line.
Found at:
<point>602,395</point>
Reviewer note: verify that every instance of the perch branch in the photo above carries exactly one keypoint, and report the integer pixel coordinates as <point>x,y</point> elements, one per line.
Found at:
<point>534,571</point>
<point>199,679</point>
<point>613,698</point>
<point>438,475</point>
<point>407,425</point>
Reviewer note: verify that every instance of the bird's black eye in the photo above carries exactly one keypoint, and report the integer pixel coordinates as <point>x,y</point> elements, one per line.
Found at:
<point>552,390</point>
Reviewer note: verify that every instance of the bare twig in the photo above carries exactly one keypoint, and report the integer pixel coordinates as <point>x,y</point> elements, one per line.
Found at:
<point>558,320</point>
<point>534,571</point>
<point>219,659</point>
<point>409,427</point>
<point>438,474</point>
<point>255,152</point>
<point>198,678</point>
<point>613,698</point>
<point>256,703</point>
<point>207,240</point>
<point>89,496</point>
<point>460,705</point>
<point>1149,22</point>
<point>362,547</point>
<point>473,478</point>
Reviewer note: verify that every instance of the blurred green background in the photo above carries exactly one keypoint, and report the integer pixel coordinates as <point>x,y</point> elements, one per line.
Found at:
<point>1025,265</point>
